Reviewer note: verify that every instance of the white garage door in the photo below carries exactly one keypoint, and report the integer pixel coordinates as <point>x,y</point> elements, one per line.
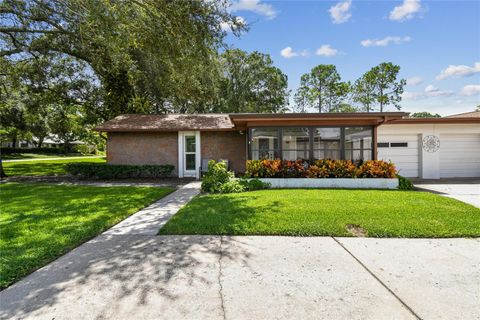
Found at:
<point>401,150</point>
<point>459,155</point>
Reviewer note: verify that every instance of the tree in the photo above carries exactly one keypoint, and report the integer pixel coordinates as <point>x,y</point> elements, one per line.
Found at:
<point>66,124</point>
<point>301,99</point>
<point>386,89</point>
<point>425,115</point>
<point>363,91</point>
<point>250,83</point>
<point>345,107</point>
<point>322,88</point>
<point>144,54</point>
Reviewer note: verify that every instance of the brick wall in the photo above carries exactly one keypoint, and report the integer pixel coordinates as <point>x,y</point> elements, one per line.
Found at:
<point>143,148</point>
<point>162,148</point>
<point>228,145</point>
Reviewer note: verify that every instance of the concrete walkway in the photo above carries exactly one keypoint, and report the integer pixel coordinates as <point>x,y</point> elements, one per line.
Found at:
<point>150,219</point>
<point>57,158</point>
<point>465,190</point>
<point>212,277</point>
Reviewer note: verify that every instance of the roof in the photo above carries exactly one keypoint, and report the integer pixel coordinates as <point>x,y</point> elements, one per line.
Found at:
<point>242,121</point>
<point>167,122</point>
<point>472,114</point>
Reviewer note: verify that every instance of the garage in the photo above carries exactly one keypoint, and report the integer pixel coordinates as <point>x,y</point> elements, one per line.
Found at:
<point>401,150</point>
<point>459,155</point>
<point>432,148</point>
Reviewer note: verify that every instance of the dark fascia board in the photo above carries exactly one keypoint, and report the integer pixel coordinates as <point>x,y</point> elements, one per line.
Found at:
<point>312,116</point>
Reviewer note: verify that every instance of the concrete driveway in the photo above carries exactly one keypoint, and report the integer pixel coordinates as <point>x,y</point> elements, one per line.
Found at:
<point>213,277</point>
<point>465,189</point>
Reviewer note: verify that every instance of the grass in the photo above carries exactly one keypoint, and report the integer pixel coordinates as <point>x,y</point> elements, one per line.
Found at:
<point>16,156</point>
<point>327,213</point>
<point>42,168</point>
<point>40,222</point>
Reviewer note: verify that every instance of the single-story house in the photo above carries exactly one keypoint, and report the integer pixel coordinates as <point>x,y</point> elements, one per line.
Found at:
<point>425,148</point>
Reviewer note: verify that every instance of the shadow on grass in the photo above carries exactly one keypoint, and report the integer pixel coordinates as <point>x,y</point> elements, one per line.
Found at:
<point>222,215</point>
<point>39,222</point>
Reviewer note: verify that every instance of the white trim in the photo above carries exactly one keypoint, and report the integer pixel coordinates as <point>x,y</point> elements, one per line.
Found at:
<point>198,150</point>
<point>181,154</point>
<point>332,183</point>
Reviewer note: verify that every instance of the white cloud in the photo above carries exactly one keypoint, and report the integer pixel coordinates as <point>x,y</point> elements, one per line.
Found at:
<point>256,6</point>
<point>288,53</point>
<point>470,90</point>
<point>459,71</point>
<point>406,10</point>
<point>340,12</point>
<point>414,81</point>
<point>430,91</point>
<point>326,50</point>
<point>385,41</point>
<point>229,26</point>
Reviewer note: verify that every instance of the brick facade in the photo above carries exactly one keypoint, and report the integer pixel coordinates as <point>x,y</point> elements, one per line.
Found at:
<point>162,148</point>
<point>143,148</point>
<point>229,145</point>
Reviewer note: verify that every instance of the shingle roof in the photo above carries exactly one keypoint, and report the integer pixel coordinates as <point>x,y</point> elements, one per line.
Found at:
<point>167,122</point>
<point>473,114</point>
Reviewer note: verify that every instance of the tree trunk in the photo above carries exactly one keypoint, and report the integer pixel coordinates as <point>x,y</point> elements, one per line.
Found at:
<point>40,142</point>
<point>2,173</point>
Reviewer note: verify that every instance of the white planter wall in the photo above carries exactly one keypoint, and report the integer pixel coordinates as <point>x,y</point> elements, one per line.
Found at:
<point>332,183</point>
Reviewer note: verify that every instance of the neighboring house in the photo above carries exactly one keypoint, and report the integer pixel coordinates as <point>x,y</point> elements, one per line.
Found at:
<point>426,148</point>
<point>48,142</point>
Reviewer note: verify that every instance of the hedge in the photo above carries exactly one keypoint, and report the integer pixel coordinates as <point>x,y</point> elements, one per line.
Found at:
<point>113,171</point>
<point>324,168</point>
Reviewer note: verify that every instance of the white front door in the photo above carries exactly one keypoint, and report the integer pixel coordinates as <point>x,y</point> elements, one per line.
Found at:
<point>189,154</point>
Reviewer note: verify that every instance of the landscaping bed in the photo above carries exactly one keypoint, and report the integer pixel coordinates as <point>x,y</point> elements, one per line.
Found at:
<point>40,222</point>
<point>299,212</point>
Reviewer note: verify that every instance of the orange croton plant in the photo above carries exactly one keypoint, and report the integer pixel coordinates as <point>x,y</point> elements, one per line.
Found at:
<point>325,168</point>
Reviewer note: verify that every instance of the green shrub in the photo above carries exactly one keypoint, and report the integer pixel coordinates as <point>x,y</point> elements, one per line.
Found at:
<point>216,176</point>
<point>232,186</point>
<point>112,171</point>
<point>404,183</point>
<point>254,184</point>
<point>83,149</point>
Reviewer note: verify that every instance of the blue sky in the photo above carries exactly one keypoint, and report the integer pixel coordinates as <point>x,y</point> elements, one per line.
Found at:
<point>436,44</point>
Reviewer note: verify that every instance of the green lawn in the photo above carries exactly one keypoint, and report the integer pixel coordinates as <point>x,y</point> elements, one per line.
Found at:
<point>42,167</point>
<point>39,222</point>
<point>327,212</point>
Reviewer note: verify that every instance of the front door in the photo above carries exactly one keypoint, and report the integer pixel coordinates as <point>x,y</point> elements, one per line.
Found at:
<point>189,155</point>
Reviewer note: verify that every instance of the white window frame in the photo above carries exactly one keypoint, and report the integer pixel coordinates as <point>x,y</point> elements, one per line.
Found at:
<point>181,154</point>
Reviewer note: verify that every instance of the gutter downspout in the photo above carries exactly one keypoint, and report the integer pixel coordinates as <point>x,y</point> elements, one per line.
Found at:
<point>375,133</point>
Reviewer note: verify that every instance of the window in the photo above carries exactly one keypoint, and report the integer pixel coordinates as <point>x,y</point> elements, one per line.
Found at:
<point>312,143</point>
<point>264,143</point>
<point>399,144</point>
<point>358,143</point>
<point>190,154</point>
<point>326,143</point>
<point>383,145</point>
<point>295,144</point>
